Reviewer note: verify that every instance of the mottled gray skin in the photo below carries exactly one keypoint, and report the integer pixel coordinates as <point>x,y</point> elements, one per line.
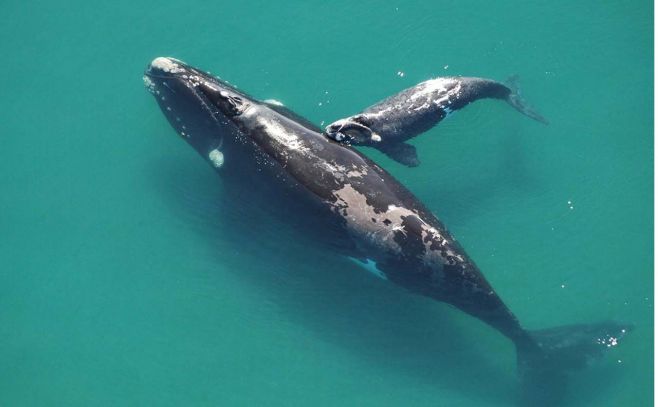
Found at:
<point>398,118</point>
<point>332,192</point>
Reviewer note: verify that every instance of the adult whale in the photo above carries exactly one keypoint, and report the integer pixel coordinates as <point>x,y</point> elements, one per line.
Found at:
<point>387,124</point>
<point>345,201</point>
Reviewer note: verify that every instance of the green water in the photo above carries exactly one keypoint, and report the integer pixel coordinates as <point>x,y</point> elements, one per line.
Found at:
<point>123,281</point>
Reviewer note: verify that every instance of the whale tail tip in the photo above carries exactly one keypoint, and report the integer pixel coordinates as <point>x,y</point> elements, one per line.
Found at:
<point>514,98</point>
<point>544,369</point>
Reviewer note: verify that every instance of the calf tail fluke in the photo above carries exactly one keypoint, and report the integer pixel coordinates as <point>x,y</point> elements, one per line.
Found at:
<point>514,98</point>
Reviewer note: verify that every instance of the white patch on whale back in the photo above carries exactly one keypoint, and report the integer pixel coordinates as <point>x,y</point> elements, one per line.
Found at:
<point>378,231</point>
<point>439,92</point>
<point>166,64</point>
<point>273,102</point>
<point>437,85</point>
<point>288,138</point>
<point>357,172</point>
<point>426,96</point>
<point>371,267</point>
<point>216,158</point>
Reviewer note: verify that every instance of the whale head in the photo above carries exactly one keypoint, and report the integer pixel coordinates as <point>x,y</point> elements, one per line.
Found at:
<point>199,106</point>
<point>353,130</point>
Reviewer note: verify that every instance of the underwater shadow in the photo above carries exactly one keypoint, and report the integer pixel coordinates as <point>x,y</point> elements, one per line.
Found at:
<point>338,302</point>
<point>466,198</point>
<point>334,299</point>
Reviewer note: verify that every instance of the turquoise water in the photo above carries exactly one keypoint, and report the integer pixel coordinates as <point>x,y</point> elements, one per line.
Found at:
<point>126,276</point>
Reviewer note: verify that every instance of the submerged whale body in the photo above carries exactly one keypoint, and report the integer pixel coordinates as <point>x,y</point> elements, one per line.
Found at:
<point>350,205</point>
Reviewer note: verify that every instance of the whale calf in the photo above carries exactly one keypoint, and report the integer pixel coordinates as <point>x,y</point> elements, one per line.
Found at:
<point>387,124</point>
<point>342,201</point>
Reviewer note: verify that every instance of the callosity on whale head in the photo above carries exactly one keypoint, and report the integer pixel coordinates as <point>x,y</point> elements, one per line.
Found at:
<point>199,106</point>
<point>354,129</point>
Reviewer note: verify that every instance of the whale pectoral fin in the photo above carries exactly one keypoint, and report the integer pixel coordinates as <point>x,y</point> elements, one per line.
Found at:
<point>401,152</point>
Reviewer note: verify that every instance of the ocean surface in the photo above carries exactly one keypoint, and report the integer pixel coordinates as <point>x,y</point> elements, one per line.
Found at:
<point>128,278</point>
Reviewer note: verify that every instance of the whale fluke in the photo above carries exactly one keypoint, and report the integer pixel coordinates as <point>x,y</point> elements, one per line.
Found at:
<point>517,102</point>
<point>544,368</point>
